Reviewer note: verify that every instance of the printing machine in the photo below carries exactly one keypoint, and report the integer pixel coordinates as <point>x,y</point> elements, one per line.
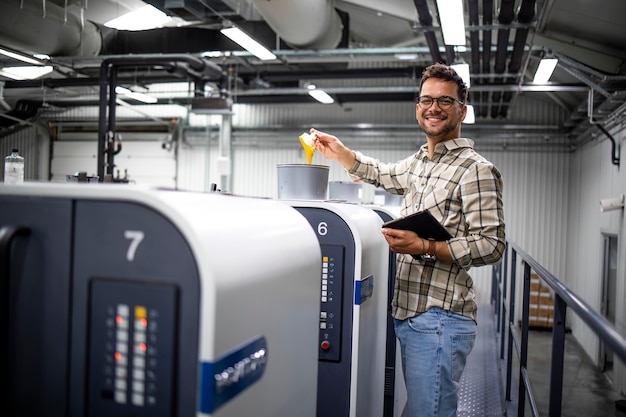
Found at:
<point>353,295</point>
<point>125,301</point>
<point>395,389</point>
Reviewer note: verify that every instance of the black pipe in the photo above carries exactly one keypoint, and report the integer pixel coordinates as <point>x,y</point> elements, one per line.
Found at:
<point>505,17</point>
<point>614,151</point>
<point>487,21</point>
<point>475,53</point>
<point>426,21</point>
<point>108,79</point>
<point>524,16</point>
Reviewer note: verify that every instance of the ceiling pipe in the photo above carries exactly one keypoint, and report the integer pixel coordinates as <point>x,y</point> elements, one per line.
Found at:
<point>505,18</point>
<point>525,15</point>
<point>475,52</point>
<point>426,20</point>
<point>303,24</point>
<point>108,144</point>
<point>486,58</point>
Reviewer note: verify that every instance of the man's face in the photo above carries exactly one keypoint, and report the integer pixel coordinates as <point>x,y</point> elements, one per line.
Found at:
<point>440,124</point>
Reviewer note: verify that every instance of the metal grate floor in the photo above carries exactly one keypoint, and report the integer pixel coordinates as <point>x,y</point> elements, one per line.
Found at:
<point>481,392</point>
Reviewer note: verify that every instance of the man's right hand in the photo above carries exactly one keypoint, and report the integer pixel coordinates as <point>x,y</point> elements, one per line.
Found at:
<point>332,148</point>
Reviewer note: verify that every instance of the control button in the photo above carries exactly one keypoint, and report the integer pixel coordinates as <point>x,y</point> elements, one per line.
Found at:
<point>323,315</point>
<point>322,325</point>
<point>325,345</point>
<point>138,399</point>
<point>120,397</point>
<point>120,384</point>
<point>122,335</point>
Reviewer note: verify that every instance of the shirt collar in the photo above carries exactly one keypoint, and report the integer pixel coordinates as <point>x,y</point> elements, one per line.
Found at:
<point>449,145</point>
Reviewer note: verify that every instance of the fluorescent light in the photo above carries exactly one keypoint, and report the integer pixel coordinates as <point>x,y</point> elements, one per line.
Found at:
<point>405,57</point>
<point>463,71</point>
<point>321,96</point>
<point>23,58</point>
<point>25,73</point>
<point>246,42</point>
<point>144,18</point>
<point>452,24</point>
<point>545,69</point>
<point>470,117</point>
<point>144,98</point>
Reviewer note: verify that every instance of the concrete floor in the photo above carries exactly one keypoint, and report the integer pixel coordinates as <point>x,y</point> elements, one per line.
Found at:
<point>587,392</point>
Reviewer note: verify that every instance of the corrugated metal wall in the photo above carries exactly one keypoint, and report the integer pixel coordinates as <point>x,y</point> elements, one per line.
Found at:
<point>550,196</point>
<point>593,178</point>
<point>31,146</point>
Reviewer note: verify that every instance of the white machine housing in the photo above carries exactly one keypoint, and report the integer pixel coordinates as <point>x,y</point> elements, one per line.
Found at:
<point>366,360</point>
<point>394,386</point>
<point>241,277</point>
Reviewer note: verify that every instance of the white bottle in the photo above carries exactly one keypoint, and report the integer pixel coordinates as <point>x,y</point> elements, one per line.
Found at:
<point>14,168</point>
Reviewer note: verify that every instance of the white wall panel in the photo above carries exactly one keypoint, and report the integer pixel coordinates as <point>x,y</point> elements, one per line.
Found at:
<point>550,197</point>
<point>593,178</point>
<point>144,162</point>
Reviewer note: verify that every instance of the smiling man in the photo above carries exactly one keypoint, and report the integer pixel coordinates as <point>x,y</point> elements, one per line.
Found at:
<point>434,304</point>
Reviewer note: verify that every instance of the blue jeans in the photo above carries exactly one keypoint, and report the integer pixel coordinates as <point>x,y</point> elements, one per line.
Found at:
<point>434,347</point>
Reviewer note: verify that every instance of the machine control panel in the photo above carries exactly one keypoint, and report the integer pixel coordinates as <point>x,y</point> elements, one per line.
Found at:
<point>331,302</point>
<point>132,331</point>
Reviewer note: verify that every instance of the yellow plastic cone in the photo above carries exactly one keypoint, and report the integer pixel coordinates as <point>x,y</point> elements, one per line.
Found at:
<point>307,143</point>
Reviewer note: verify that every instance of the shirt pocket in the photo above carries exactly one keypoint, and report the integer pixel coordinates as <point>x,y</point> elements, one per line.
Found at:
<point>435,200</point>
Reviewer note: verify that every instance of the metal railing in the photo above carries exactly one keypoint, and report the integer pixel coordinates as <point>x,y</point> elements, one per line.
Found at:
<point>504,298</point>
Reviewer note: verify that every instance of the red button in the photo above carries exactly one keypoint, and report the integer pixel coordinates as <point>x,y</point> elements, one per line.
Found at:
<point>325,345</point>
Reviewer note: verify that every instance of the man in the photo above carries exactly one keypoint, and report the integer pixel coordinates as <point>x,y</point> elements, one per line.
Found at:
<point>434,306</point>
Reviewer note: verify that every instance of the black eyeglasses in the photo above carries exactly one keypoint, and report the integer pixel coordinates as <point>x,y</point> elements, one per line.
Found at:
<point>444,102</point>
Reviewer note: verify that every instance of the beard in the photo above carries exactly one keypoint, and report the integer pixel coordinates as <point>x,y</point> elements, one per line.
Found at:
<point>444,130</point>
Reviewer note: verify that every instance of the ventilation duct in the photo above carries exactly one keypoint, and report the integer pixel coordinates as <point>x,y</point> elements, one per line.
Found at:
<point>26,26</point>
<point>303,24</point>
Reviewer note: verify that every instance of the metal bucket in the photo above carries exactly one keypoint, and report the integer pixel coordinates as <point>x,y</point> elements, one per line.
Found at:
<point>350,192</point>
<point>302,181</point>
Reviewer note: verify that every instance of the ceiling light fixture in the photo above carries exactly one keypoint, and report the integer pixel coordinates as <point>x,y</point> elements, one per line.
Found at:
<point>544,70</point>
<point>245,41</point>
<point>20,57</point>
<point>144,98</point>
<point>470,116</point>
<point>464,72</point>
<point>320,95</point>
<point>406,57</point>
<point>25,73</point>
<point>452,24</point>
<point>143,18</point>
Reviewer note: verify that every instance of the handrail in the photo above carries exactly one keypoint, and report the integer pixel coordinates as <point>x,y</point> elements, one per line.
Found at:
<point>504,299</point>
<point>601,326</point>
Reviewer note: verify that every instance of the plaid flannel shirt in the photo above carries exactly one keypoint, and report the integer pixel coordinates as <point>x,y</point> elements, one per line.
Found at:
<point>464,192</point>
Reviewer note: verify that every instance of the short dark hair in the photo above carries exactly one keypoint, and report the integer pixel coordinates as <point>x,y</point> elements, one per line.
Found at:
<point>446,73</point>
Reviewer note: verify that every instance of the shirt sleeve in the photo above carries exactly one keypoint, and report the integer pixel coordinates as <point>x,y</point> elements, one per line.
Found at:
<point>392,177</point>
<point>484,240</point>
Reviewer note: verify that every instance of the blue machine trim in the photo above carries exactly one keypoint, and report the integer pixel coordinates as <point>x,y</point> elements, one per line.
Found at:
<point>230,375</point>
<point>363,290</point>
